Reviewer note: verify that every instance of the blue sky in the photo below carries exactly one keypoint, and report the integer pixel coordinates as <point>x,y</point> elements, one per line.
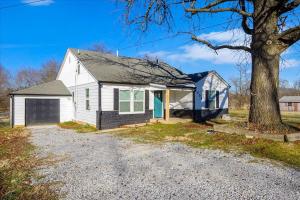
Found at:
<point>32,34</point>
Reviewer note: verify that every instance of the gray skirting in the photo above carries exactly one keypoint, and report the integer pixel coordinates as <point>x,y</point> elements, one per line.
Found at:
<point>203,115</point>
<point>112,119</point>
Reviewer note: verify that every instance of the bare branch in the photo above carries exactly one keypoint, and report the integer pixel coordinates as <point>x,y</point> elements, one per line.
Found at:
<point>290,6</point>
<point>290,36</point>
<point>202,10</point>
<point>217,2</point>
<point>245,18</point>
<point>207,43</point>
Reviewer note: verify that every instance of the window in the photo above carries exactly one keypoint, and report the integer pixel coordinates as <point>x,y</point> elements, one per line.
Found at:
<point>138,101</point>
<point>210,99</point>
<point>87,99</point>
<point>124,100</point>
<point>87,93</point>
<point>78,68</point>
<point>217,99</point>
<point>289,103</point>
<point>131,101</point>
<point>87,104</point>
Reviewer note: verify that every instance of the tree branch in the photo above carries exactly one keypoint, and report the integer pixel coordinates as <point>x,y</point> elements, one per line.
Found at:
<point>196,10</point>
<point>245,18</point>
<point>290,6</point>
<point>215,3</point>
<point>207,43</point>
<point>290,36</point>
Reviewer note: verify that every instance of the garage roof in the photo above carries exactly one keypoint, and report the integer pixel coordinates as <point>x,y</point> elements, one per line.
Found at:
<point>53,88</point>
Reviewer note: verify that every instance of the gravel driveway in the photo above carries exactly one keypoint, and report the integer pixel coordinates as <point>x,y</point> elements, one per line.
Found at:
<point>106,167</point>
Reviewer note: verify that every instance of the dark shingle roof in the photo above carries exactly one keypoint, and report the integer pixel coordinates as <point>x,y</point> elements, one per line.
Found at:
<point>51,88</point>
<point>110,68</point>
<point>198,76</point>
<point>290,99</point>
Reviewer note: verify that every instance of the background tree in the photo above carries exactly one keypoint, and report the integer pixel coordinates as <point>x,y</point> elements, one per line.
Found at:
<point>99,47</point>
<point>49,71</point>
<point>241,85</point>
<point>28,77</point>
<point>266,22</point>
<point>4,89</point>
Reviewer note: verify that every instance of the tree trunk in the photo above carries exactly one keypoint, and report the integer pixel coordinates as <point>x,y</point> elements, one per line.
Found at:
<point>264,104</point>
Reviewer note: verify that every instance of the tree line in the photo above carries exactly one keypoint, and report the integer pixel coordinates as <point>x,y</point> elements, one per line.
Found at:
<point>24,78</point>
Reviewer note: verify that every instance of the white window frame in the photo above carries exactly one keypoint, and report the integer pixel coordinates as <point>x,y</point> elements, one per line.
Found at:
<point>132,101</point>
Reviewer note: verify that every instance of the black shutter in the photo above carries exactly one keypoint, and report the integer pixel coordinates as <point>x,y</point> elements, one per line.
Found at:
<point>146,99</point>
<point>217,99</point>
<point>206,99</point>
<point>116,99</point>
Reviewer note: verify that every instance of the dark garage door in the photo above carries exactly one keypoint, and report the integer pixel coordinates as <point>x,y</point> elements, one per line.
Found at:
<point>41,111</point>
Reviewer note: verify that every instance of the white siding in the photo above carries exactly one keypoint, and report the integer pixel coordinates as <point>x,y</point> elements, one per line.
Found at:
<point>68,75</point>
<point>107,95</point>
<point>211,82</point>
<point>180,99</point>
<point>66,109</point>
<point>81,114</point>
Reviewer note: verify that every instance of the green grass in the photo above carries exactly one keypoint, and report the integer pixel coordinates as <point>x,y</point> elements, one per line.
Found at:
<point>17,165</point>
<point>196,136</point>
<point>80,128</point>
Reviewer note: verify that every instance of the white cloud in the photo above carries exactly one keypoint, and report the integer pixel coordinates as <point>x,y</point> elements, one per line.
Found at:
<point>157,54</point>
<point>289,63</point>
<point>38,3</point>
<point>233,37</point>
<point>196,52</point>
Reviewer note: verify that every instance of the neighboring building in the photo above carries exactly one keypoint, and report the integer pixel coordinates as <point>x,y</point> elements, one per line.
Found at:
<point>290,103</point>
<point>109,91</point>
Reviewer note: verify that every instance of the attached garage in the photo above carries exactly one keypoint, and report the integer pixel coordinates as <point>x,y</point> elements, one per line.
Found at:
<point>48,103</point>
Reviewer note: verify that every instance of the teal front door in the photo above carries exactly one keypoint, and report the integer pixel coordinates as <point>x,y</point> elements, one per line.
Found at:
<point>158,104</point>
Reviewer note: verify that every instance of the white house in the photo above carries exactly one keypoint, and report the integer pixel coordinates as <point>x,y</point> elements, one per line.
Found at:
<point>109,91</point>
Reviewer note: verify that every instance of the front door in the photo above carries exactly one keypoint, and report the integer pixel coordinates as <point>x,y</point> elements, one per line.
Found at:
<point>158,104</point>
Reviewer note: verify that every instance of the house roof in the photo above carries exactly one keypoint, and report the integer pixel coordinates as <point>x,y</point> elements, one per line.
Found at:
<point>120,69</point>
<point>289,99</point>
<point>198,76</point>
<point>51,88</point>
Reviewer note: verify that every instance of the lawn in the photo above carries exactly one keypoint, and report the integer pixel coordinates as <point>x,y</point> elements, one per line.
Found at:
<point>80,128</point>
<point>291,118</point>
<point>17,163</point>
<point>196,135</point>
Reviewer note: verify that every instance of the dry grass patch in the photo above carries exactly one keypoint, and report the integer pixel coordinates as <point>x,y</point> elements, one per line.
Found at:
<point>17,165</point>
<point>80,128</point>
<point>196,135</point>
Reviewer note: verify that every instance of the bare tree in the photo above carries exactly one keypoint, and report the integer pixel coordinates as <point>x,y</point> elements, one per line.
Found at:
<point>49,71</point>
<point>99,47</point>
<point>264,21</point>
<point>297,85</point>
<point>4,85</point>
<point>27,77</point>
<point>284,83</point>
<point>241,84</point>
